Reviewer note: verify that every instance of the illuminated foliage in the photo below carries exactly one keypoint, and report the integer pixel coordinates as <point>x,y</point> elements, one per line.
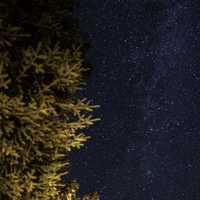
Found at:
<point>41,119</point>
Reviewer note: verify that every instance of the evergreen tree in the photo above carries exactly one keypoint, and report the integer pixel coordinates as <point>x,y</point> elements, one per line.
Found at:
<point>41,119</point>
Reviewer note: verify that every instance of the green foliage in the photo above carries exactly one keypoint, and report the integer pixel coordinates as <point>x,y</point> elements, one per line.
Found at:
<point>41,119</point>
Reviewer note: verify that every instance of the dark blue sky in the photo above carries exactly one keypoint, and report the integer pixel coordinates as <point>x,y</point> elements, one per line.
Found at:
<point>146,77</point>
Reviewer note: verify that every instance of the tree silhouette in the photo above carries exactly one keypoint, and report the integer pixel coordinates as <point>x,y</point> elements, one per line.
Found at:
<point>41,118</point>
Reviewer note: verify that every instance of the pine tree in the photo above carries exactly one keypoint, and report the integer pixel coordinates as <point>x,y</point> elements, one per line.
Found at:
<point>41,118</point>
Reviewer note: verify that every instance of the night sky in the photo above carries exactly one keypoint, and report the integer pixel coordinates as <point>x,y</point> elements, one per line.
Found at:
<point>146,77</point>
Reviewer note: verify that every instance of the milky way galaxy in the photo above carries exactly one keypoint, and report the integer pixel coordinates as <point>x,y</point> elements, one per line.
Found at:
<point>146,77</point>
